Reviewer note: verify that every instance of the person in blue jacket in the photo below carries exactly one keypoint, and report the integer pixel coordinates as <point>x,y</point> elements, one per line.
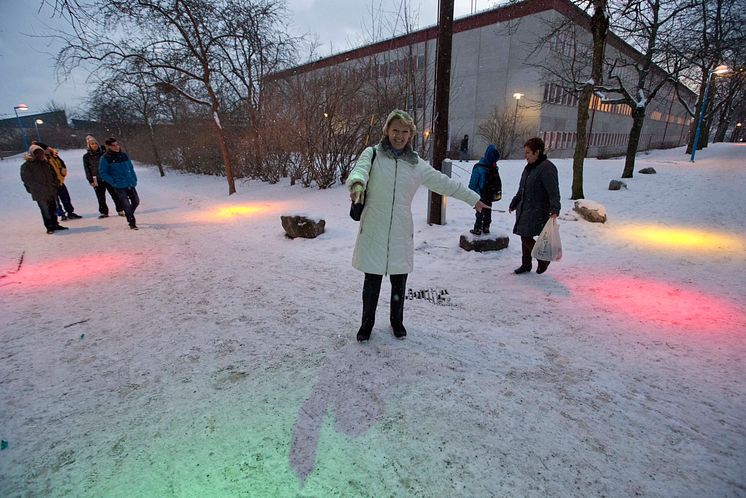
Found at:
<point>116,169</point>
<point>485,181</point>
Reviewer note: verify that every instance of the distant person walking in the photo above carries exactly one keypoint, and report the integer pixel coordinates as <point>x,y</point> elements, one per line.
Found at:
<point>91,160</point>
<point>463,150</point>
<point>42,183</point>
<point>116,169</point>
<point>485,181</point>
<point>537,200</point>
<point>386,178</point>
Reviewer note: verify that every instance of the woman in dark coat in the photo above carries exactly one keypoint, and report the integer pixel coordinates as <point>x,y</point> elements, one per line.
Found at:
<point>537,200</point>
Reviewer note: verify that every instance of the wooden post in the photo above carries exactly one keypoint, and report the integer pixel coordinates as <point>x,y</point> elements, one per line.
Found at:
<point>442,97</point>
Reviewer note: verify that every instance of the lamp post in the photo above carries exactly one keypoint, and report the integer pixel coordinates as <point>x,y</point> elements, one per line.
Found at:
<point>36,125</point>
<point>737,132</point>
<point>21,107</point>
<point>517,97</point>
<point>721,69</point>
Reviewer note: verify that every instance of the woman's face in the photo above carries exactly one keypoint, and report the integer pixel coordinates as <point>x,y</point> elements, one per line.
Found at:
<point>530,155</point>
<point>399,134</point>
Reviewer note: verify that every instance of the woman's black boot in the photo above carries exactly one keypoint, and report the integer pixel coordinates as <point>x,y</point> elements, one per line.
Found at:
<point>398,288</point>
<point>371,290</point>
<point>527,245</point>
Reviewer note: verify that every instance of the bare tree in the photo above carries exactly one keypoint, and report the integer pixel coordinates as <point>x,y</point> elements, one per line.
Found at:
<point>646,25</point>
<point>599,30</point>
<point>502,128</point>
<point>568,40</point>
<point>712,35</point>
<point>180,44</point>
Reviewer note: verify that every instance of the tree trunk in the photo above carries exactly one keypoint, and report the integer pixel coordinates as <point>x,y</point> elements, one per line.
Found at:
<point>599,28</point>
<point>227,161</point>
<point>697,111</point>
<point>580,147</point>
<point>638,119</point>
<point>155,148</point>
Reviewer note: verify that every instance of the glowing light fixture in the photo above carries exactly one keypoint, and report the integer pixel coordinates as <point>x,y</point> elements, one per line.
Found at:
<point>681,238</point>
<point>233,212</point>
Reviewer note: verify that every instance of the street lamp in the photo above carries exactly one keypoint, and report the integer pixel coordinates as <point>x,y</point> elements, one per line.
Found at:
<point>36,125</point>
<point>517,97</point>
<point>721,69</point>
<point>21,107</point>
<point>737,132</point>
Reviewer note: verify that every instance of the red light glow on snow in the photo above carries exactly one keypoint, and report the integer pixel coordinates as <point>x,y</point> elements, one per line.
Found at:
<point>661,303</point>
<point>67,271</point>
<point>680,238</point>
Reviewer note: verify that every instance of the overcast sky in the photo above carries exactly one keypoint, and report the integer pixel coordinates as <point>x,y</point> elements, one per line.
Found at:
<point>27,63</point>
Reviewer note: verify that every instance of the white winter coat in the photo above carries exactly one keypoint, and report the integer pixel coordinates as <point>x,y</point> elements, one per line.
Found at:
<point>385,244</point>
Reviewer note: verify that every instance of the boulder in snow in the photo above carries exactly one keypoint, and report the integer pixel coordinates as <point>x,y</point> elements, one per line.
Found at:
<point>617,185</point>
<point>647,171</point>
<point>591,211</point>
<point>483,243</point>
<point>299,225</point>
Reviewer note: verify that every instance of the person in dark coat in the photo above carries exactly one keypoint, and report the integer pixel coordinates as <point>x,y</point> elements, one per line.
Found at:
<point>116,169</point>
<point>463,150</point>
<point>90,164</point>
<point>537,200</point>
<point>42,183</point>
<point>65,208</point>
<point>485,181</point>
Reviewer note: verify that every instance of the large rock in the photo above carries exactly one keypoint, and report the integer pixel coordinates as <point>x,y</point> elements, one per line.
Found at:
<point>299,225</point>
<point>482,243</point>
<point>648,171</point>
<point>617,185</point>
<point>591,211</point>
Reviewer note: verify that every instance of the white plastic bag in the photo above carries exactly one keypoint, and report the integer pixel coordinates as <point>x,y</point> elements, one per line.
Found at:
<point>548,247</point>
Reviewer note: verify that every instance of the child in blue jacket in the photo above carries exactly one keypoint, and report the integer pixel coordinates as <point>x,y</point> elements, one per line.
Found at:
<point>485,181</point>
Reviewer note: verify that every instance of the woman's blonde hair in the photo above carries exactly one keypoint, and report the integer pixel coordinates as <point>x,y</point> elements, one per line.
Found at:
<point>402,116</point>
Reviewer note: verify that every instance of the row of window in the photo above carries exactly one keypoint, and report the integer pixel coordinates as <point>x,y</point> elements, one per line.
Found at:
<point>558,140</point>
<point>557,94</point>
<point>398,67</point>
<point>566,44</point>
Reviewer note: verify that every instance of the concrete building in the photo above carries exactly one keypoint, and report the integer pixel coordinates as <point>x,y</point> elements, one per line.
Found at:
<point>497,54</point>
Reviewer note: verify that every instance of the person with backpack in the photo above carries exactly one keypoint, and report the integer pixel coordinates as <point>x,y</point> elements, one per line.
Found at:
<point>485,181</point>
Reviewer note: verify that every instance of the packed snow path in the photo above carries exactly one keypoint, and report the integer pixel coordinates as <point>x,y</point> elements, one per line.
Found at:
<point>208,355</point>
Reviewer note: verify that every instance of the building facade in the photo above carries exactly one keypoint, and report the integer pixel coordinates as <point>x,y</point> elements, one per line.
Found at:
<point>506,64</point>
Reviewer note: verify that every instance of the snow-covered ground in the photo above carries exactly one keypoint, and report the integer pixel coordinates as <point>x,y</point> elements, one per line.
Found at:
<point>208,355</point>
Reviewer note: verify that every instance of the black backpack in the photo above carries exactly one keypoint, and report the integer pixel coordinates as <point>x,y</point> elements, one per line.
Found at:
<point>494,185</point>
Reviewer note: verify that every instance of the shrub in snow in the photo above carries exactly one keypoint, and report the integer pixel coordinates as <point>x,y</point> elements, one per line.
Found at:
<point>482,243</point>
<point>617,185</point>
<point>591,211</point>
<point>302,226</point>
<point>647,171</point>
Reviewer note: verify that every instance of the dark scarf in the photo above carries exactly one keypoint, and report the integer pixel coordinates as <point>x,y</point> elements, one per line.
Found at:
<point>539,160</point>
<point>407,154</point>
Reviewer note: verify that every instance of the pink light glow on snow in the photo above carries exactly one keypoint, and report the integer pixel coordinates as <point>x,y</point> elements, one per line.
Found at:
<point>70,270</point>
<point>653,301</point>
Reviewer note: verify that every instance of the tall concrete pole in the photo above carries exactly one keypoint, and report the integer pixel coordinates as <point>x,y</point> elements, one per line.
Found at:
<point>442,98</point>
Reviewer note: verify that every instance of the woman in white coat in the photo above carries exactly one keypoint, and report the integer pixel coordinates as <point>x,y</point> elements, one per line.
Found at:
<point>386,177</point>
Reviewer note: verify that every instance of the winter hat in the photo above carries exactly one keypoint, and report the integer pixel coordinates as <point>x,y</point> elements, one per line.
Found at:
<point>90,138</point>
<point>491,155</point>
<point>33,148</point>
